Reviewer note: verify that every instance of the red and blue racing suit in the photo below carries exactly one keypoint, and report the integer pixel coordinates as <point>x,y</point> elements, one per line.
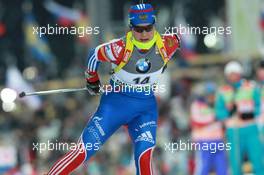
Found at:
<point>136,110</point>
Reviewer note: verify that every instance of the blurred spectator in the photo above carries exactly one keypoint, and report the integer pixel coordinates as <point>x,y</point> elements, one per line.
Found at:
<point>206,130</point>
<point>237,105</point>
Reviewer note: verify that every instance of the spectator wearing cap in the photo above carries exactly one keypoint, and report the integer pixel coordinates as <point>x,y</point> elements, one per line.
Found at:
<point>237,105</point>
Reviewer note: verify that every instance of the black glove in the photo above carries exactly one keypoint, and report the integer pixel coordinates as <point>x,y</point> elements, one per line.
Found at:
<point>247,116</point>
<point>93,87</point>
<point>92,82</point>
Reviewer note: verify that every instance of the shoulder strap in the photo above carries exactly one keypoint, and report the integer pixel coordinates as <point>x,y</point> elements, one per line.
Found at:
<point>130,46</point>
<point>128,51</point>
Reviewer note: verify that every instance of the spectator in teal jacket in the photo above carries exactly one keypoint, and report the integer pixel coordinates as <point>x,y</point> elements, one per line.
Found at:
<point>237,105</point>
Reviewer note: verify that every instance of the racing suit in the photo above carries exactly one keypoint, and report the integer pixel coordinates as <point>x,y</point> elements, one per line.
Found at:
<point>133,106</point>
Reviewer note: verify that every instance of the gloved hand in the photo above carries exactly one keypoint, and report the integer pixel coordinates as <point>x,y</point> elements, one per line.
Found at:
<point>92,83</point>
<point>247,116</point>
<point>93,87</point>
<point>233,110</point>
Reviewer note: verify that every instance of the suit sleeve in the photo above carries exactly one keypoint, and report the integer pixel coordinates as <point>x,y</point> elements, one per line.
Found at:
<point>257,101</point>
<point>111,52</point>
<point>172,43</point>
<point>221,111</point>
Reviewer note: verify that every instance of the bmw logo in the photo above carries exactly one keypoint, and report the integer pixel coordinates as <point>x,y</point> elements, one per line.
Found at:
<point>143,65</point>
